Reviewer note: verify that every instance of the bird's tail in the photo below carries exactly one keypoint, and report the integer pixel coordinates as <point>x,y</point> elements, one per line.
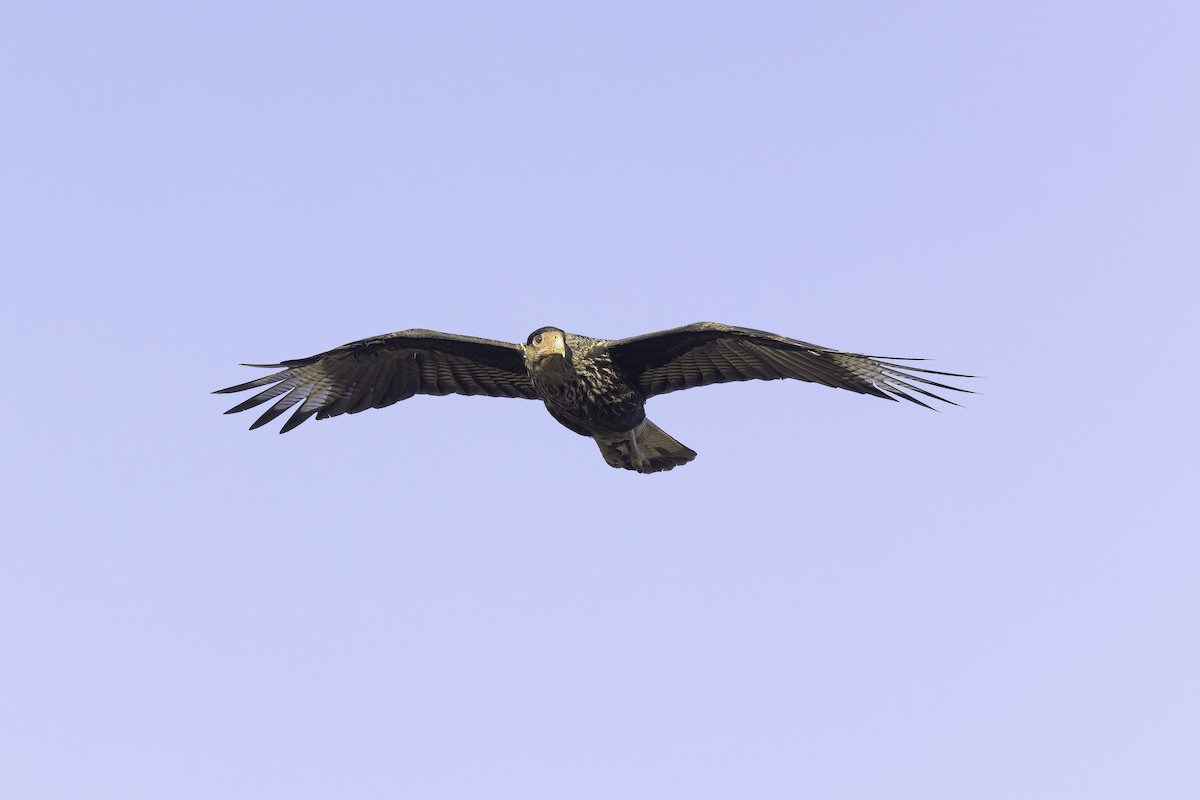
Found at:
<point>646,448</point>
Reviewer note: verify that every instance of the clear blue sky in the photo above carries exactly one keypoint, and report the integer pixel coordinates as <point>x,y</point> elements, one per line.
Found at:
<point>456,597</point>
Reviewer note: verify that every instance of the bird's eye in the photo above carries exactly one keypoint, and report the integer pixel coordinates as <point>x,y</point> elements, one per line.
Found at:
<point>537,339</point>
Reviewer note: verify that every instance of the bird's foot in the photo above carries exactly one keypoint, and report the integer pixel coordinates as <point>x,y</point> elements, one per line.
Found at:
<point>637,457</point>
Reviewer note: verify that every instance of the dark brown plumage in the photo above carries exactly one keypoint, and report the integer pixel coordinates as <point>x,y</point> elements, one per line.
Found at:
<point>595,387</point>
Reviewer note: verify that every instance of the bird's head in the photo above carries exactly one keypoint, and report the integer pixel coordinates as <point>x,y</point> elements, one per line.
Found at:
<point>547,346</point>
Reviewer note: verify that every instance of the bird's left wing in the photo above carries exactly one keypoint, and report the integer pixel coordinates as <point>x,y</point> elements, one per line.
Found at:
<point>376,372</point>
<point>708,352</point>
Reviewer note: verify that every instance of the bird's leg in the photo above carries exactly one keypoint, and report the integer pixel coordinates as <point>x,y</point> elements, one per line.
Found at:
<point>637,456</point>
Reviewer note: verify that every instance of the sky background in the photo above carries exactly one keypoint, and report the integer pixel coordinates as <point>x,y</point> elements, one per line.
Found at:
<point>456,597</point>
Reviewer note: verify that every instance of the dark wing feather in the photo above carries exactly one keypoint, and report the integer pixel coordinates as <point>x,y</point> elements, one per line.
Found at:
<point>708,352</point>
<point>376,372</point>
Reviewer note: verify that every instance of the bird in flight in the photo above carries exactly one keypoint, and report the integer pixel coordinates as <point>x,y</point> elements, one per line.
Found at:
<point>595,387</point>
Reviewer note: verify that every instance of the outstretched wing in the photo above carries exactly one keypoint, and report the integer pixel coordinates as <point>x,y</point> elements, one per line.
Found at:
<point>709,352</point>
<point>376,372</point>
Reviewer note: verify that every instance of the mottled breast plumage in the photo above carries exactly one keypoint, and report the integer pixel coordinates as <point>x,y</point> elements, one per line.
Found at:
<point>585,392</point>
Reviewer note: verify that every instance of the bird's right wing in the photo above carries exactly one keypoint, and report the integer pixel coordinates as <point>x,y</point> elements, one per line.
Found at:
<point>376,372</point>
<point>704,353</point>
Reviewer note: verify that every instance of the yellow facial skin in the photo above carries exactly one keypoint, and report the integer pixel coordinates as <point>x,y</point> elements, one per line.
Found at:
<point>548,343</point>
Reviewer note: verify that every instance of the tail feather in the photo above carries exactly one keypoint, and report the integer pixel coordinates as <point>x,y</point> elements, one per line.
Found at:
<point>659,451</point>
